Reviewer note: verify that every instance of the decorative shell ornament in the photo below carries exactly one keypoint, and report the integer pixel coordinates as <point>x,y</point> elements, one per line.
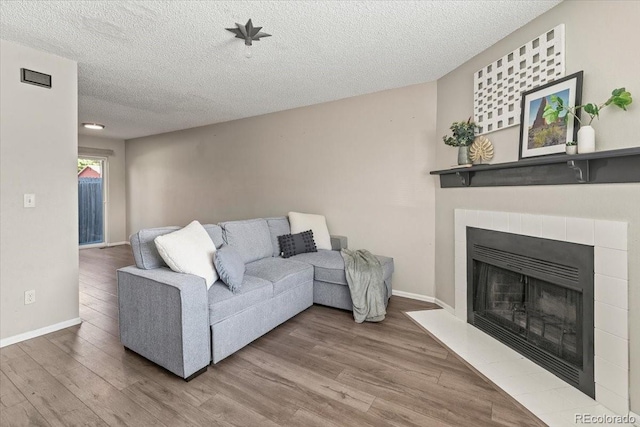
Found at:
<point>481,150</point>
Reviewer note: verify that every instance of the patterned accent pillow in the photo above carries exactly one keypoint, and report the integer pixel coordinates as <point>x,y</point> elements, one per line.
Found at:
<point>294,244</point>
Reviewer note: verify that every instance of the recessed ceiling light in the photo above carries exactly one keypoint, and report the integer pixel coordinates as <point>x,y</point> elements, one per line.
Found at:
<point>94,126</point>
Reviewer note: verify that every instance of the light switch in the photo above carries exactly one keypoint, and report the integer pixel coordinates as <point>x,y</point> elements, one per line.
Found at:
<point>29,200</point>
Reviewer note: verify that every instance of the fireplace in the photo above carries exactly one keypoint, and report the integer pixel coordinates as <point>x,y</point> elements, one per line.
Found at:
<point>536,296</point>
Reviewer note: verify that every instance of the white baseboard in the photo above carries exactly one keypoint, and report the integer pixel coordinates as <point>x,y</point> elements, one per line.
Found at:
<point>410,295</point>
<point>103,245</point>
<point>426,298</point>
<point>92,246</point>
<point>38,332</point>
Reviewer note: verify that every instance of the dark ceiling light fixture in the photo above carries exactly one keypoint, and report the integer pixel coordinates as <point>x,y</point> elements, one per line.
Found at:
<point>248,33</point>
<point>94,126</point>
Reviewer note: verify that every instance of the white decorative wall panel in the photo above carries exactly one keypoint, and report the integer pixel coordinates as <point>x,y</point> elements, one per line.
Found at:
<point>499,85</point>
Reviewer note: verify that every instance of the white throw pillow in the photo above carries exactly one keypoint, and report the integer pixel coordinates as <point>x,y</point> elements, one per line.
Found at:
<point>189,250</point>
<point>300,222</point>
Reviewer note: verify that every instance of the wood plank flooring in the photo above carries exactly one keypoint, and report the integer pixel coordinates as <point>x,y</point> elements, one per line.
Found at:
<point>317,369</point>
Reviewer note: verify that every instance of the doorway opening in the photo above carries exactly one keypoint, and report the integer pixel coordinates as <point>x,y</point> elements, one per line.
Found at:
<point>92,201</point>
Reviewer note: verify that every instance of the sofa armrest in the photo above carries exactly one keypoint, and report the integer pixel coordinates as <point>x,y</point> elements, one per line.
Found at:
<point>164,316</point>
<point>339,243</point>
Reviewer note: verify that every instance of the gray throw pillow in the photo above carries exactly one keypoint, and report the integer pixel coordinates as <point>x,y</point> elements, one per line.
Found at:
<point>230,267</point>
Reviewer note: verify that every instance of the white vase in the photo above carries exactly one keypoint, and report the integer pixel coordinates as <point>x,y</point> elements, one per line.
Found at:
<point>586,140</point>
<point>571,149</point>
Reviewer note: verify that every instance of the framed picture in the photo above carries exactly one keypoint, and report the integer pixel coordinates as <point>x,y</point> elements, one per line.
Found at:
<point>537,138</point>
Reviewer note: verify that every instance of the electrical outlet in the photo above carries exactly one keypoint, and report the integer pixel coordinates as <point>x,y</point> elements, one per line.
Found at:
<point>30,296</point>
<point>29,200</point>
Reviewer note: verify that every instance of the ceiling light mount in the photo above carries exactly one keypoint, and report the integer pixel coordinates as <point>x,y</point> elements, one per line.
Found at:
<point>94,126</point>
<point>249,34</point>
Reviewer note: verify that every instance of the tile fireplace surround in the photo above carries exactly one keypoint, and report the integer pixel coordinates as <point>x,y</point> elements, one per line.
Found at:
<point>609,239</point>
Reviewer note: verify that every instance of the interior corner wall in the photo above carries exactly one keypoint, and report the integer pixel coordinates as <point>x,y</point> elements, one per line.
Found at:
<point>38,149</point>
<point>600,37</point>
<point>116,197</point>
<point>363,162</point>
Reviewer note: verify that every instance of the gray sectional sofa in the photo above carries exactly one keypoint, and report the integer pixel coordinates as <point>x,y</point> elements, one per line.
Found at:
<point>173,320</point>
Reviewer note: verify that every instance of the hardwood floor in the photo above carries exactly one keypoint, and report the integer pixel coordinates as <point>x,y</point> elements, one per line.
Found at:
<point>317,369</point>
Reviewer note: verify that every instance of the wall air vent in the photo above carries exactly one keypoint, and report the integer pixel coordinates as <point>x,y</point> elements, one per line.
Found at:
<point>35,78</point>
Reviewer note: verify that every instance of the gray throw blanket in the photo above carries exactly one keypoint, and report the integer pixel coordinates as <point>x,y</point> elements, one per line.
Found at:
<point>366,284</point>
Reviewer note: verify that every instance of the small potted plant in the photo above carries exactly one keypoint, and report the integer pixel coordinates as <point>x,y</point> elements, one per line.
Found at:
<point>586,135</point>
<point>463,135</point>
<point>571,147</point>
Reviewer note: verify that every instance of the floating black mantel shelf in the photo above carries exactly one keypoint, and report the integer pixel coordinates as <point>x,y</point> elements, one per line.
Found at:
<point>615,166</point>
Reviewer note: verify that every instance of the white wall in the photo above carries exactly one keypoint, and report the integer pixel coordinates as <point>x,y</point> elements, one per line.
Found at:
<point>116,198</point>
<point>39,139</point>
<point>600,39</point>
<point>362,161</point>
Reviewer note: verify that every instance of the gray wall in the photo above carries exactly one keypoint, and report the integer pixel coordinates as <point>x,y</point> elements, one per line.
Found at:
<point>363,162</point>
<point>601,39</point>
<point>38,148</point>
<point>116,198</point>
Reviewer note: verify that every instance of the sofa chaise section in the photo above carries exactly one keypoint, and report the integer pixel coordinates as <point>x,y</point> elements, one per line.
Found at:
<point>330,285</point>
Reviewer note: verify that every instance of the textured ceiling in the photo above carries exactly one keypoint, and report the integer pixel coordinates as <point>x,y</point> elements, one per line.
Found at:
<point>147,67</point>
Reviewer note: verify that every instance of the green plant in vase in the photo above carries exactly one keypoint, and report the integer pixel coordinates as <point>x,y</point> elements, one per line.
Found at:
<point>556,109</point>
<point>462,136</point>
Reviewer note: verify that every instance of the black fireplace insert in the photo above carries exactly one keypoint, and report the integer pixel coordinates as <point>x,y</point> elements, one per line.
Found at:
<point>536,296</point>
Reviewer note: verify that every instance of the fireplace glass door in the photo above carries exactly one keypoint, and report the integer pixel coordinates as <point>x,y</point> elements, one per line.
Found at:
<point>536,296</point>
<point>542,313</point>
